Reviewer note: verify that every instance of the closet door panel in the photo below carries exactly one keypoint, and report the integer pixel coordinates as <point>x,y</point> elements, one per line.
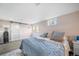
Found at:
<point>15,31</point>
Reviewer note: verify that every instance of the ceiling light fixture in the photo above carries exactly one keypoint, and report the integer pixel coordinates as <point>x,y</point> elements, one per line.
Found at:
<point>37,4</point>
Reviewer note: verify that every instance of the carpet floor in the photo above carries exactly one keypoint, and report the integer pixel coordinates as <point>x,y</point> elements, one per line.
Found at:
<point>16,52</point>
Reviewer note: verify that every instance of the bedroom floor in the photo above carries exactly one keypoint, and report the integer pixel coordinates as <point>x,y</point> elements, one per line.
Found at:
<point>16,52</point>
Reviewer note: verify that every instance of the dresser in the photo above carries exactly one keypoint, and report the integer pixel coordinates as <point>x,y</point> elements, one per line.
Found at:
<point>76,48</point>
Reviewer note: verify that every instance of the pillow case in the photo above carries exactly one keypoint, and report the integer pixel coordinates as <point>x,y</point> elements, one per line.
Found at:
<point>44,35</point>
<point>57,36</point>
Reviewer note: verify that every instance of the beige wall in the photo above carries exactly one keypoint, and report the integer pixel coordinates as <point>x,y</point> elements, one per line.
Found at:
<point>68,23</point>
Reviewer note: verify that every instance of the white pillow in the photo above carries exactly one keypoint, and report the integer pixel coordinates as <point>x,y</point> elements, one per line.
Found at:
<point>35,34</point>
<point>38,34</point>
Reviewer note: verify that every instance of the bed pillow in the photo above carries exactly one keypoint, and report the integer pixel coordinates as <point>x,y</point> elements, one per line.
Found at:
<point>35,34</point>
<point>40,34</point>
<point>44,35</point>
<point>57,36</point>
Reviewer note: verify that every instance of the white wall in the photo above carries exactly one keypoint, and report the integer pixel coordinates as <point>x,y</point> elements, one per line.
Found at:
<point>25,31</point>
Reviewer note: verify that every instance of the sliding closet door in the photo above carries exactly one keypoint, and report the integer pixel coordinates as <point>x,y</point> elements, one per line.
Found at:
<point>15,31</point>
<point>20,31</point>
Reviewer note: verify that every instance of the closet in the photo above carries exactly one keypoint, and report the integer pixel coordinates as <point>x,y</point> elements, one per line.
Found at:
<point>17,31</point>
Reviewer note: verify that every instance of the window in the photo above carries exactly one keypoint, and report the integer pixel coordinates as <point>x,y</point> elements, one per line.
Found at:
<point>52,21</point>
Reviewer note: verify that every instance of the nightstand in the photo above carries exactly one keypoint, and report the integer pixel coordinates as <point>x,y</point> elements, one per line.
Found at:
<point>76,48</point>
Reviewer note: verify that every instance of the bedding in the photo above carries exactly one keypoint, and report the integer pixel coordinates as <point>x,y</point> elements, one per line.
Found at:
<point>38,47</point>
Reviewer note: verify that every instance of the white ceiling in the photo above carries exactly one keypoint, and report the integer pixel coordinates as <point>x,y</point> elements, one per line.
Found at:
<point>32,13</point>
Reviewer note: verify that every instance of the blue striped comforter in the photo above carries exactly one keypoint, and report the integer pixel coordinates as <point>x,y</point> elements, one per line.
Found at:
<point>38,47</point>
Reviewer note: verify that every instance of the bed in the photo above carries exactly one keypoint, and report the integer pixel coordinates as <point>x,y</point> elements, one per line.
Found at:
<point>43,47</point>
